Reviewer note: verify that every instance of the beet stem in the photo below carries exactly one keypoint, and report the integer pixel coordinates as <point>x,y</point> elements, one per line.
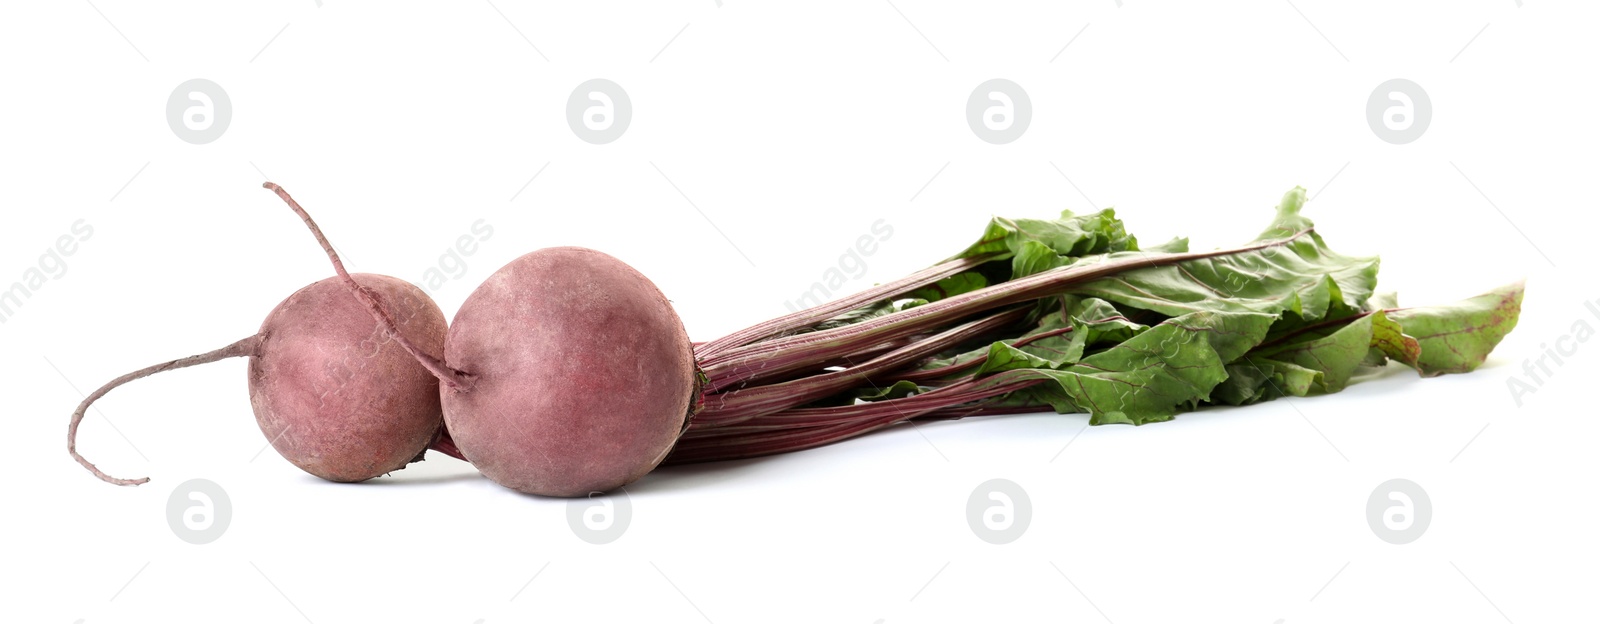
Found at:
<point>787,353</point>
<point>817,314</point>
<point>447,445</point>
<point>837,423</point>
<point>744,404</point>
<point>243,347</point>
<point>451,377</point>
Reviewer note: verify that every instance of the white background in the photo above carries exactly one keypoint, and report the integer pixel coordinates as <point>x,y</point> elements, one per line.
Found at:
<point>791,128</point>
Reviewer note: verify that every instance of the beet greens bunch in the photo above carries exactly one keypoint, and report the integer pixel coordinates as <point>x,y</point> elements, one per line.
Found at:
<point>1073,316</point>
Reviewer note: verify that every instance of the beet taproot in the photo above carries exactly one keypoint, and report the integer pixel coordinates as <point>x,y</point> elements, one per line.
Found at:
<point>583,375</point>
<point>332,390</point>
<point>339,384</point>
<point>334,393</point>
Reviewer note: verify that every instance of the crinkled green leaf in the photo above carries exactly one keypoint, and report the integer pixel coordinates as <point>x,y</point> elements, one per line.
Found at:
<point>1096,322</point>
<point>1034,257</point>
<point>1169,368</point>
<point>1303,276</point>
<point>1061,337</point>
<point>1004,357</point>
<point>1070,235</point>
<point>1147,343</point>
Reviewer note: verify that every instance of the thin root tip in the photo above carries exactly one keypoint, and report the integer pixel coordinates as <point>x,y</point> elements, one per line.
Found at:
<point>120,481</point>
<point>270,185</point>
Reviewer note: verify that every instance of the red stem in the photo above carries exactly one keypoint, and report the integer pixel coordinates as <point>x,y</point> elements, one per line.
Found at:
<point>451,377</point>
<point>741,405</point>
<point>928,374</point>
<point>834,424</point>
<point>447,445</point>
<point>817,314</point>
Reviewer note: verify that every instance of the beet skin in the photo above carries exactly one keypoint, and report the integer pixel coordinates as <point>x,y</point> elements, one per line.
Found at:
<point>334,393</point>
<point>583,375</point>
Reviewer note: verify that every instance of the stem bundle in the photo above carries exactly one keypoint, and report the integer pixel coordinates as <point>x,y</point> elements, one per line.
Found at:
<point>755,404</point>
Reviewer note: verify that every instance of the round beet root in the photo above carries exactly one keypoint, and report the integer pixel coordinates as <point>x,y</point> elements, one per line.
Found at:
<point>338,383</point>
<point>335,394</point>
<point>582,374</point>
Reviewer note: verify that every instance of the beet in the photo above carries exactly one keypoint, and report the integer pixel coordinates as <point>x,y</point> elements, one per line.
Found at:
<point>583,375</point>
<point>331,389</point>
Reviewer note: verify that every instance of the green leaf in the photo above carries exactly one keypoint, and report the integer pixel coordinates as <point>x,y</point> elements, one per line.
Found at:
<point>958,284</point>
<point>1288,221</point>
<point>1456,338</point>
<point>1096,322</point>
<point>1004,357</point>
<point>868,312</point>
<point>1061,337</point>
<point>1246,384</point>
<point>1302,276</point>
<point>1279,378</point>
<point>1176,245</point>
<point>1154,375</point>
<point>857,315</point>
<point>1070,235</point>
<point>899,389</point>
<point>1287,320</point>
<point>1389,340</point>
<point>1033,257</point>
<point>1337,355</point>
<point>1053,318</point>
<point>1321,358</point>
